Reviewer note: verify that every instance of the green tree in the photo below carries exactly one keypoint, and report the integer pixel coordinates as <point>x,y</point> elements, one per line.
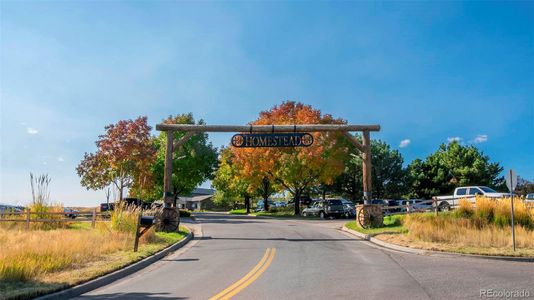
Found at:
<point>524,187</point>
<point>451,166</point>
<point>193,163</point>
<point>388,174</point>
<point>229,183</point>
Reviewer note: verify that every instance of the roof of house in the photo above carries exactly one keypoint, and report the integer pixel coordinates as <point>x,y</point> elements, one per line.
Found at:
<point>202,191</point>
<point>201,198</point>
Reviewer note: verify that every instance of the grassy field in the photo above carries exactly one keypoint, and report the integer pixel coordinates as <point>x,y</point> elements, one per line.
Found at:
<point>238,212</point>
<point>484,229</point>
<point>392,224</point>
<point>38,261</point>
<point>284,212</point>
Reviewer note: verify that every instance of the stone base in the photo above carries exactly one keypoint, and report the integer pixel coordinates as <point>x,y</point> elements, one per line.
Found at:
<point>369,215</point>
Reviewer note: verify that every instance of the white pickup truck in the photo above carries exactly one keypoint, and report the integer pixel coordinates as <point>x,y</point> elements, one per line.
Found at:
<point>469,193</point>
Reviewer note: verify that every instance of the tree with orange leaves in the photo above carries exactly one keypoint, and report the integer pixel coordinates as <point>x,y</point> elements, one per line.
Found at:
<point>295,169</point>
<point>123,157</point>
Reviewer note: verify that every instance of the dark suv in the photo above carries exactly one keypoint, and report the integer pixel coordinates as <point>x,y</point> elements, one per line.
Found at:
<point>325,208</point>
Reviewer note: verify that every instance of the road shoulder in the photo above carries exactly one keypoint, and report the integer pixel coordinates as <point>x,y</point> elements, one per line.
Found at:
<point>118,274</point>
<point>389,246</point>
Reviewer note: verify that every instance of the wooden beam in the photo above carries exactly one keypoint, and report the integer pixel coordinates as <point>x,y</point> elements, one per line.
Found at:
<point>177,144</point>
<point>266,128</point>
<point>167,175</point>
<point>367,167</point>
<point>354,141</point>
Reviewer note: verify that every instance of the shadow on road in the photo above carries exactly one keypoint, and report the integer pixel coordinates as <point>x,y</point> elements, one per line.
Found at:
<point>132,296</point>
<point>181,259</point>
<point>227,219</point>
<point>280,239</point>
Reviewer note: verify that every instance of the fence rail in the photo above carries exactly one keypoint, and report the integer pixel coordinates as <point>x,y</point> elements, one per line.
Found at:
<point>90,216</point>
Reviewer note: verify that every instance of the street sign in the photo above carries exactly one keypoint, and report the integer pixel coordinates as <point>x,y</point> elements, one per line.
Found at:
<point>511,180</point>
<point>261,140</point>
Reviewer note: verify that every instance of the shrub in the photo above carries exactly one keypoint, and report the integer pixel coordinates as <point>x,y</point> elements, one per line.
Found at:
<point>464,210</point>
<point>185,213</point>
<point>523,215</point>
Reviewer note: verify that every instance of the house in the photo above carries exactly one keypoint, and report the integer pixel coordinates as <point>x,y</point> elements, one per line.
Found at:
<point>199,199</point>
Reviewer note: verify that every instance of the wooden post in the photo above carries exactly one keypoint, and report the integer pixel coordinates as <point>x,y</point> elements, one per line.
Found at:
<point>167,176</point>
<point>367,186</point>
<point>28,219</point>
<point>136,243</point>
<point>435,202</point>
<point>93,219</point>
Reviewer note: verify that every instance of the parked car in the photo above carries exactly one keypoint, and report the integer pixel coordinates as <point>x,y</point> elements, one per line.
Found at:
<point>529,198</point>
<point>280,204</point>
<point>469,193</point>
<point>10,208</point>
<point>260,204</point>
<point>325,208</point>
<point>417,205</point>
<point>350,208</point>
<point>305,201</point>
<point>107,207</point>
<point>70,213</point>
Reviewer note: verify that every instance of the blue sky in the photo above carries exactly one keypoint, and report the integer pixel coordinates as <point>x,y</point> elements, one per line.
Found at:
<point>426,72</point>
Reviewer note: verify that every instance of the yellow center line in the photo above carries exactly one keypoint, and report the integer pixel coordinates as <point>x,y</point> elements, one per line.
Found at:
<point>251,276</point>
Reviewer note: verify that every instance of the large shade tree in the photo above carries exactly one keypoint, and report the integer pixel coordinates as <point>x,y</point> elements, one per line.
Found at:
<point>193,163</point>
<point>294,169</point>
<point>123,157</point>
<point>388,174</point>
<point>229,184</point>
<point>451,166</point>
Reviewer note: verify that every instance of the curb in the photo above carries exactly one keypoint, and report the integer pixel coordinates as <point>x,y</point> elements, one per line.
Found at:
<point>390,246</point>
<point>116,275</point>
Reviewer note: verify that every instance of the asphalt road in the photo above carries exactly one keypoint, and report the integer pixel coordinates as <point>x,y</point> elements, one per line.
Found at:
<point>312,260</point>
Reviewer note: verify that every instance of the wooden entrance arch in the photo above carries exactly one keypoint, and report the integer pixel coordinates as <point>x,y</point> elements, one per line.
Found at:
<point>364,148</point>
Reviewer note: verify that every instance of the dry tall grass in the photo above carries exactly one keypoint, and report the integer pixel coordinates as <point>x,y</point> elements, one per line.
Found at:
<point>485,225</point>
<point>27,254</point>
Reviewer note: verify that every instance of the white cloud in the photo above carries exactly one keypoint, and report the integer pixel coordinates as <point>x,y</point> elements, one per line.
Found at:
<point>60,159</point>
<point>404,143</point>
<point>481,138</point>
<point>32,130</point>
<point>454,139</point>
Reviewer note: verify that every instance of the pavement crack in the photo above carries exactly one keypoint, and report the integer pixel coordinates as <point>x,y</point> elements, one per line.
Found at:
<point>390,255</point>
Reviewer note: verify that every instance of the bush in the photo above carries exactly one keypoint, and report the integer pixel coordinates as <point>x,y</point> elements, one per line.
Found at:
<point>184,213</point>
<point>465,209</point>
<point>522,214</point>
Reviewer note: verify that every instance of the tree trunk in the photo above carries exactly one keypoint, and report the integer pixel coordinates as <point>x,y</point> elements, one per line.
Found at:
<point>247,203</point>
<point>120,192</point>
<point>175,196</point>
<point>297,202</point>
<point>266,184</point>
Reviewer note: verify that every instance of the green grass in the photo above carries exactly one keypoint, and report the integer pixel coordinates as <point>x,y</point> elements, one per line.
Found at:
<point>238,212</point>
<point>392,224</point>
<point>279,214</point>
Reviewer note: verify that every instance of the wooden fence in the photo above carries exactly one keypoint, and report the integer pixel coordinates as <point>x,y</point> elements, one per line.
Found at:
<point>26,217</point>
